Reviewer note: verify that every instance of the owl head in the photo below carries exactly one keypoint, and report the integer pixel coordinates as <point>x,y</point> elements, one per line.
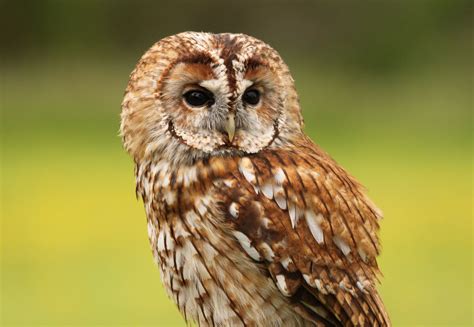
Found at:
<point>195,95</point>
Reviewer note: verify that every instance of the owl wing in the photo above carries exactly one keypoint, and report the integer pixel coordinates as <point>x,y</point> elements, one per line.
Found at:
<point>310,224</point>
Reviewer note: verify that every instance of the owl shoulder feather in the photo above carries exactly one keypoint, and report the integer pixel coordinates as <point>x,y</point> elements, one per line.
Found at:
<point>313,227</point>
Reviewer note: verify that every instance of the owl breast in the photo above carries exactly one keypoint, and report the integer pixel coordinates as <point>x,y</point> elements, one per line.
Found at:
<point>203,267</point>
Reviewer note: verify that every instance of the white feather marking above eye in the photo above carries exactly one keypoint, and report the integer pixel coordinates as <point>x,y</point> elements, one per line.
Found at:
<point>247,246</point>
<point>313,222</point>
<point>220,71</point>
<point>213,85</point>
<point>239,70</point>
<point>246,84</point>
<point>342,245</point>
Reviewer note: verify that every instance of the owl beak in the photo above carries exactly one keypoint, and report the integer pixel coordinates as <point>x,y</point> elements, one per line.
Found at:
<point>230,126</point>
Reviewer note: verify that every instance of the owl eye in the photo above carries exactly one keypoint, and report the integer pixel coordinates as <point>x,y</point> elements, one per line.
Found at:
<point>198,98</point>
<point>251,96</point>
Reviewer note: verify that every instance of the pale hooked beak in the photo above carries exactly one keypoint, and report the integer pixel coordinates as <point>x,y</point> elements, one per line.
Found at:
<point>230,126</point>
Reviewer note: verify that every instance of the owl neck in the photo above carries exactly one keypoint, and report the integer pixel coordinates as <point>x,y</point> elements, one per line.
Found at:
<point>157,176</point>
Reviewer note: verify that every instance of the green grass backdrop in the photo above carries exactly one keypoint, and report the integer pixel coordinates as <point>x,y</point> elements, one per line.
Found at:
<point>74,248</point>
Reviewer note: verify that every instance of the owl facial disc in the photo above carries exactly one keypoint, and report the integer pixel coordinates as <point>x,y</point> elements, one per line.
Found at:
<point>198,94</point>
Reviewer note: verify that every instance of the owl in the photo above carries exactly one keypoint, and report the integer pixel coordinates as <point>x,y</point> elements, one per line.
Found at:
<point>250,222</point>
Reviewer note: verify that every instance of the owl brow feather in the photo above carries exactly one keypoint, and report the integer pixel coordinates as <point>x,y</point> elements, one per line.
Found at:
<point>253,63</point>
<point>196,58</point>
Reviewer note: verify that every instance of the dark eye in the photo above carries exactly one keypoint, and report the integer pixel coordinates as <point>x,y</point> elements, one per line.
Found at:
<point>198,98</point>
<point>251,96</point>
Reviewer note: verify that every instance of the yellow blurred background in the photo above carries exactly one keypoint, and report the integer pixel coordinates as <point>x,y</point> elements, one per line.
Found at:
<point>386,89</point>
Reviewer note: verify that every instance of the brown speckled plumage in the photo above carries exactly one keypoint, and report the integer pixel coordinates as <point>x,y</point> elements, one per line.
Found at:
<point>260,228</point>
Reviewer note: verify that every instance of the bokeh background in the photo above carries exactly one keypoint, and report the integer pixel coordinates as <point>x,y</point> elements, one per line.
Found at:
<point>386,89</point>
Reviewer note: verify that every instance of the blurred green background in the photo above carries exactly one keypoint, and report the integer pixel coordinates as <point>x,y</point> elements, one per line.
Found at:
<point>386,89</point>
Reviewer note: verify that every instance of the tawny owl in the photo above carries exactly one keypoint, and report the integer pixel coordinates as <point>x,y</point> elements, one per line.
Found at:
<point>249,221</point>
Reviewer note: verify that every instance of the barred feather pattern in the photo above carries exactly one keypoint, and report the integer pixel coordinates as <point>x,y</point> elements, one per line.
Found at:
<point>250,222</point>
<point>283,237</point>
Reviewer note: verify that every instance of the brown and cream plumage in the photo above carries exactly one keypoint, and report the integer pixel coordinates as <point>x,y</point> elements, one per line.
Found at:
<point>250,222</point>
